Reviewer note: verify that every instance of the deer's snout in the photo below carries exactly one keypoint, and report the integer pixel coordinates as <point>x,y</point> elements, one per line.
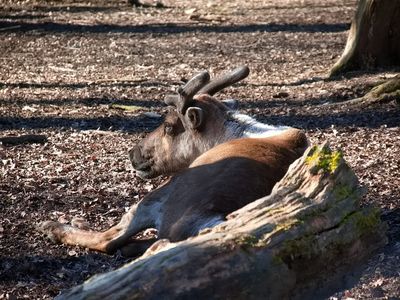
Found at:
<point>139,161</point>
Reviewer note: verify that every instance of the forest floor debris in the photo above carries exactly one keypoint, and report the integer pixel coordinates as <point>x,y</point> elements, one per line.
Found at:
<point>65,63</point>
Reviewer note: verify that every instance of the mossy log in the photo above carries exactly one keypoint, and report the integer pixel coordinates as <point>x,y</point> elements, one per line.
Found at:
<point>382,93</point>
<point>374,36</point>
<point>278,247</point>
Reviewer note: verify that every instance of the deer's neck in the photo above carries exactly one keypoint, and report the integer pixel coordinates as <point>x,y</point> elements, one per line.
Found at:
<point>243,126</point>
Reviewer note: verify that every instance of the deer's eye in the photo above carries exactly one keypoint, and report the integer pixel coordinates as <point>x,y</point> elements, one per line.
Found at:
<point>169,129</point>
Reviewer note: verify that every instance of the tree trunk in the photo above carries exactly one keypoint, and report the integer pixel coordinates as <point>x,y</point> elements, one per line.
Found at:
<point>374,37</point>
<point>281,246</point>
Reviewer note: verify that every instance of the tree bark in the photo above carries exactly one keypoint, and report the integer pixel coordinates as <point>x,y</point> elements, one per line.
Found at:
<point>281,246</point>
<point>374,37</point>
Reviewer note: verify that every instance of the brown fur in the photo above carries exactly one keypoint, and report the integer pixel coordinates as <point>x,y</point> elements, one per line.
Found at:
<point>215,175</point>
<point>217,183</point>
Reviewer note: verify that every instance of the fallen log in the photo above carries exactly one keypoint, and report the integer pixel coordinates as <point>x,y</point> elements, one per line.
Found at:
<point>280,246</point>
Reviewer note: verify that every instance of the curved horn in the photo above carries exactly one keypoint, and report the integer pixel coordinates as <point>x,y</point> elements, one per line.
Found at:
<point>225,80</point>
<point>186,93</point>
<point>194,85</point>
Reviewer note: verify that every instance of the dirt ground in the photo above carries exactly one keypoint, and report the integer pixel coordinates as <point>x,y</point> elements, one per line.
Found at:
<point>64,63</point>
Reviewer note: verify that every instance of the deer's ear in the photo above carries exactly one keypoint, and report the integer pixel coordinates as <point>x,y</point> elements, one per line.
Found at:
<point>194,117</point>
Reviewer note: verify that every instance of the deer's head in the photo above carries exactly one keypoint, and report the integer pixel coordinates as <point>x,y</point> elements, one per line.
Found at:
<point>195,123</point>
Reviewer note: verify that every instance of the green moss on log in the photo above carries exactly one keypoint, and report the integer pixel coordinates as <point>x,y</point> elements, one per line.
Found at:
<point>247,241</point>
<point>287,224</point>
<point>364,222</point>
<point>367,220</point>
<point>322,158</point>
<point>301,247</point>
<point>343,191</point>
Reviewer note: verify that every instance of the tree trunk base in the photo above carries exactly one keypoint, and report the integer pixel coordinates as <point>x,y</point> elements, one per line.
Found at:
<point>281,246</point>
<point>373,39</point>
<point>382,93</point>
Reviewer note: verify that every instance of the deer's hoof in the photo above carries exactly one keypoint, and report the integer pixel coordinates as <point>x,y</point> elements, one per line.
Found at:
<point>53,230</point>
<point>80,223</point>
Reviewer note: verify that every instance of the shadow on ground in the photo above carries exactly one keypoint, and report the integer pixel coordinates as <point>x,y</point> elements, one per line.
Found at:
<point>137,124</point>
<point>132,124</point>
<point>169,28</point>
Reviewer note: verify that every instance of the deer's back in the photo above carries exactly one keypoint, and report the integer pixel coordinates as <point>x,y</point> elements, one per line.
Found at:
<point>225,179</point>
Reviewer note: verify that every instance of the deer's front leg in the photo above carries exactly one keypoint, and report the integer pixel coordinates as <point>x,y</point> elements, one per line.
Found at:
<point>139,217</point>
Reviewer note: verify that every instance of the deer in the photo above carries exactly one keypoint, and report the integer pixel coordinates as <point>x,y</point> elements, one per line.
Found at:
<point>217,160</point>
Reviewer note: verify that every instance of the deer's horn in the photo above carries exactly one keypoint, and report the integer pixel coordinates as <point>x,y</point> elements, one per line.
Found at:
<point>225,80</point>
<point>186,93</point>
